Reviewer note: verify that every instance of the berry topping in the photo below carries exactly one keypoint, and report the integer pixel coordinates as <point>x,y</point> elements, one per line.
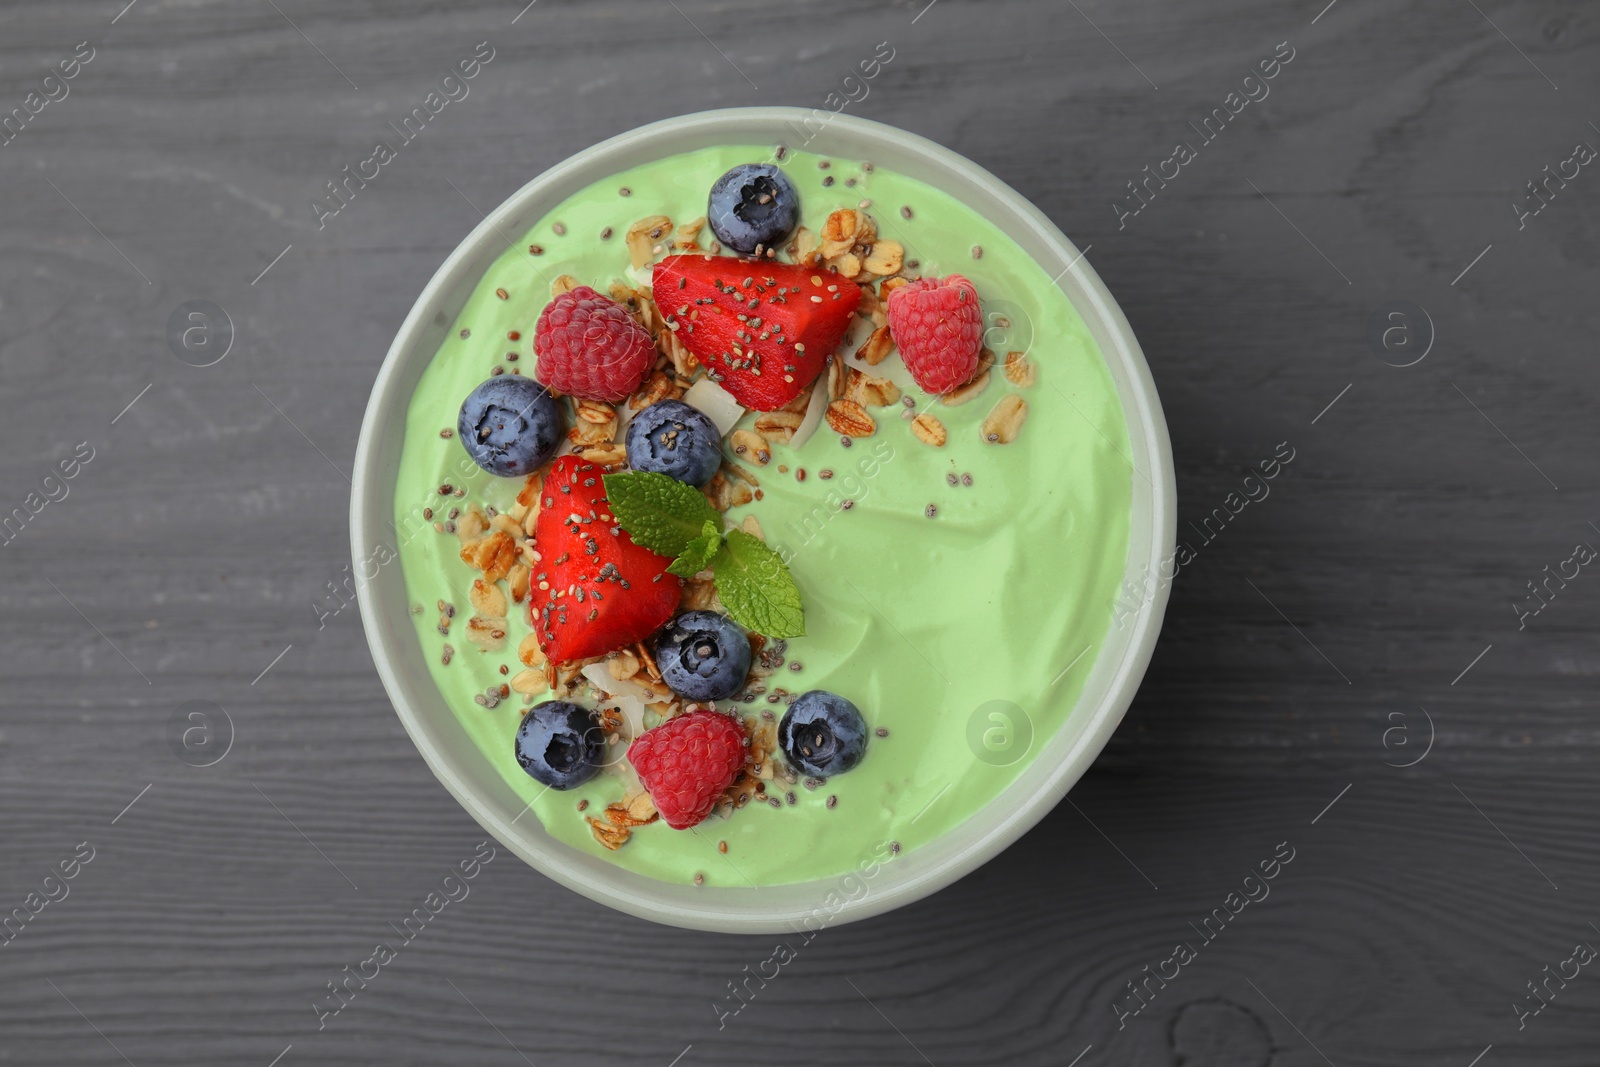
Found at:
<point>703,656</point>
<point>592,590</point>
<point>589,346</point>
<point>754,204</point>
<point>672,438</point>
<point>762,330</point>
<point>686,763</point>
<point>559,744</point>
<point>938,327</point>
<point>823,734</point>
<point>510,426</point>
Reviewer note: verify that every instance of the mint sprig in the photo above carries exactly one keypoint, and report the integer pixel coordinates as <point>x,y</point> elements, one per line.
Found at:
<point>698,554</point>
<point>673,519</point>
<point>756,587</point>
<point>660,513</point>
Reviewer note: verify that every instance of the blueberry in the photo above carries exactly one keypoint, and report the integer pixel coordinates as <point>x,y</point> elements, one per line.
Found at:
<point>560,744</point>
<point>823,734</point>
<point>753,204</point>
<point>510,425</point>
<point>703,656</point>
<point>672,438</point>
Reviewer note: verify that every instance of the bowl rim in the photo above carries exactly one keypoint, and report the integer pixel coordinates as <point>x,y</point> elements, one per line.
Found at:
<point>746,909</point>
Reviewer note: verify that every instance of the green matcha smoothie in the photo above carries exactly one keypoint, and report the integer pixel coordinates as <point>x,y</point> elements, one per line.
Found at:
<point>957,577</point>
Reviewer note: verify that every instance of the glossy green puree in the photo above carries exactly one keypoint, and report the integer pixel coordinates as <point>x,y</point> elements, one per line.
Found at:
<point>920,621</point>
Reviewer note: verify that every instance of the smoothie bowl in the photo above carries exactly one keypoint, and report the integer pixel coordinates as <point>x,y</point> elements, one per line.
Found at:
<point>761,525</point>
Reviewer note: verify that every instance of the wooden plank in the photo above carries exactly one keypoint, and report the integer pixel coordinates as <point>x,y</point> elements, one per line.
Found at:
<point>1385,560</point>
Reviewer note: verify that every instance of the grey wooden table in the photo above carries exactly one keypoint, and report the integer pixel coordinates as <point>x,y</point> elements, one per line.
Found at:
<point>1352,672</point>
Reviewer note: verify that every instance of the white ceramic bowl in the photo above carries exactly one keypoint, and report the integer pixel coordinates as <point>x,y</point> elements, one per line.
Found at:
<point>1056,763</point>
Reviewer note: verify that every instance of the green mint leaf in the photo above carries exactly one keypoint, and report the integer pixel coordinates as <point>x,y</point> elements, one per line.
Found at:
<point>697,555</point>
<point>756,587</point>
<point>660,513</point>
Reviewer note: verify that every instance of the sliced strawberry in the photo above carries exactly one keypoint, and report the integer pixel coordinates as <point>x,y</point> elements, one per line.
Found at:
<point>763,330</point>
<point>593,590</point>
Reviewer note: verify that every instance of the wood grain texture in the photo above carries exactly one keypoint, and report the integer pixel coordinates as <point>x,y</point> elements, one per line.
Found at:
<point>1385,558</point>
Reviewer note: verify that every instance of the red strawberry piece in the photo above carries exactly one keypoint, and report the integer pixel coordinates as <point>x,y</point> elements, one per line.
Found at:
<point>762,330</point>
<point>938,327</point>
<point>593,590</point>
<point>686,763</point>
<point>589,346</point>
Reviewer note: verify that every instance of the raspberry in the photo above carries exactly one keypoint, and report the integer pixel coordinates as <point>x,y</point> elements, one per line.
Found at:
<point>938,327</point>
<point>688,762</point>
<point>590,347</point>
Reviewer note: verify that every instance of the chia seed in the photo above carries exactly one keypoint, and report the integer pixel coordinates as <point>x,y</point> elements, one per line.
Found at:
<point>931,510</point>
<point>952,478</point>
<point>882,731</point>
<point>797,666</point>
<point>894,847</point>
<point>497,371</point>
<point>536,250</point>
<point>559,229</point>
<point>845,442</point>
<point>966,479</point>
<point>502,294</point>
<point>427,513</point>
<point>977,251</point>
<point>447,433</point>
<point>699,879</point>
<point>605,234</point>
<point>583,805</point>
<point>905,211</point>
<point>825,473</point>
<point>790,797</point>
<point>827,181</point>
<point>465,333</point>
<point>846,505</point>
<point>833,802</point>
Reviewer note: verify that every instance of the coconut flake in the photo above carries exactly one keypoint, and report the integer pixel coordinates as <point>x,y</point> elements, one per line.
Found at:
<point>628,697</point>
<point>814,412</point>
<point>716,402</point>
<point>893,368</point>
<point>599,677</point>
